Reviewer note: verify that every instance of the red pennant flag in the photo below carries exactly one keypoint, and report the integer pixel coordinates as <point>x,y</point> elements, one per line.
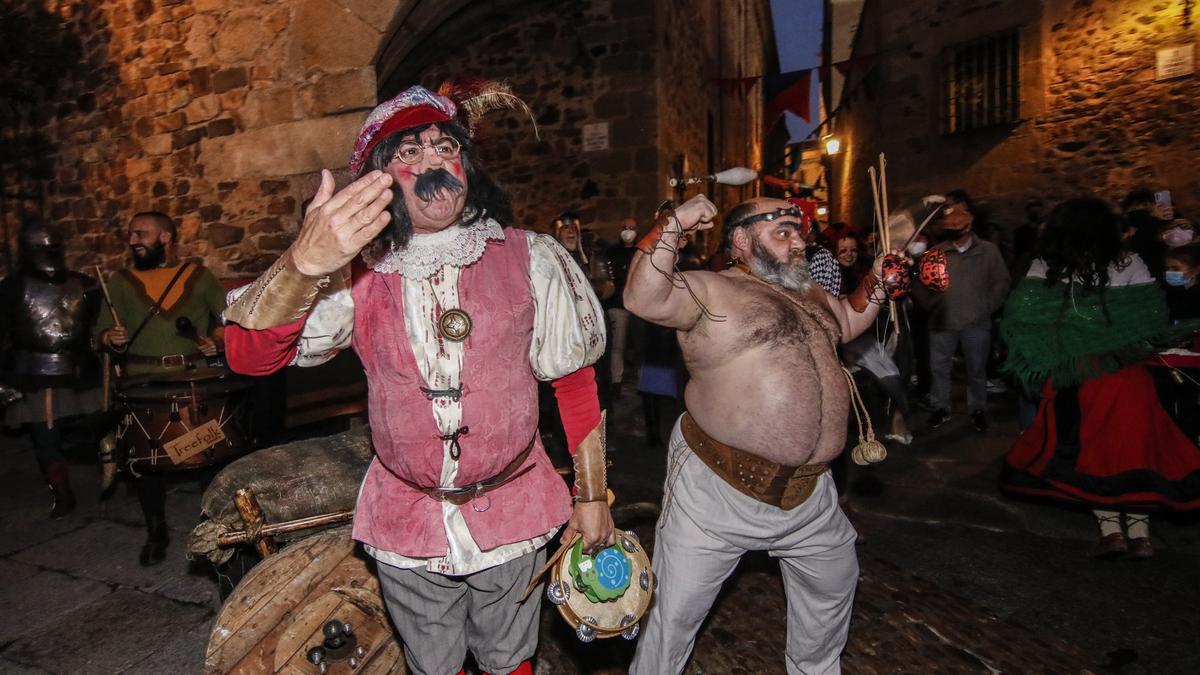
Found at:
<point>795,98</point>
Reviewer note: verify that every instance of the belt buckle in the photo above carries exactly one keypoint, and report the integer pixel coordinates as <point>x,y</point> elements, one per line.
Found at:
<point>173,361</point>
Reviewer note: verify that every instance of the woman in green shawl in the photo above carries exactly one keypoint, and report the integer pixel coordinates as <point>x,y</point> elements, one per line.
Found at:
<point>1077,327</point>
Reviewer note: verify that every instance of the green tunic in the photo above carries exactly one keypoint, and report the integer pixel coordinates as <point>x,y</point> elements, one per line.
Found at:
<point>197,295</point>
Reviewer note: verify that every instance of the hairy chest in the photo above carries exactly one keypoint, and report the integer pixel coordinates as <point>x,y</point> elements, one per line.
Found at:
<point>772,319</point>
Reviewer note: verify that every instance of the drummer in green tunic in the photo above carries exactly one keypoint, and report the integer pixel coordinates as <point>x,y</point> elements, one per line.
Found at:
<point>167,318</point>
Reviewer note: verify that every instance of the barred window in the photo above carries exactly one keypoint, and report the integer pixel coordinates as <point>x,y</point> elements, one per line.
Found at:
<point>981,83</point>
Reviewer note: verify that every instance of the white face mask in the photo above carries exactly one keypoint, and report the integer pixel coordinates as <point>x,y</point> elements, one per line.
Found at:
<point>628,236</point>
<point>917,247</point>
<point>1176,237</point>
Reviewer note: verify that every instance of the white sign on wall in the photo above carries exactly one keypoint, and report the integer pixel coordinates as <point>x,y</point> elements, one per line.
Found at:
<point>1176,62</point>
<point>595,136</point>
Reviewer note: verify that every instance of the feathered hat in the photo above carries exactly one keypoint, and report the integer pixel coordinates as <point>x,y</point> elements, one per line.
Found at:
<point>466,101</point>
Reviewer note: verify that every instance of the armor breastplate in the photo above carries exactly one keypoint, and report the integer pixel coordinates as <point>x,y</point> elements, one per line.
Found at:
<point>49,341</point>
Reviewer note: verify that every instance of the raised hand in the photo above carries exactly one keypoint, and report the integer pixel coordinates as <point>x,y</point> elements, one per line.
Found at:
<point>337,226</point>
<point>696,213</point>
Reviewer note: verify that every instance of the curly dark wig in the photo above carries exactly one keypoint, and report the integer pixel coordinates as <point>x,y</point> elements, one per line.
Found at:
<point>485,198</point>
<point>1081,242</point>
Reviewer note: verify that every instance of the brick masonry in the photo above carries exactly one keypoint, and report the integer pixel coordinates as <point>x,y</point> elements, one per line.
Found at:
<point>1094,117</point>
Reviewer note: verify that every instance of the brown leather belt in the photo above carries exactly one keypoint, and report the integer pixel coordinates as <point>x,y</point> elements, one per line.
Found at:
<point>463,495</point>
<point>769,482</point>
<point>180,361</point>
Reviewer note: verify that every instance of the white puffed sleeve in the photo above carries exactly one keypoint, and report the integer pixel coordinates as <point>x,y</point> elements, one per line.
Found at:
<point>330,323</point>
<point>568,325</point>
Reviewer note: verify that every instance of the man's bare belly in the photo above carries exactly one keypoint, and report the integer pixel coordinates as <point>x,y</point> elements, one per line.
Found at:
<point>778,391</point>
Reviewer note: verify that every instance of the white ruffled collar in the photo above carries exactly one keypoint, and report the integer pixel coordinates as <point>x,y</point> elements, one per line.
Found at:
<point>427,253</point>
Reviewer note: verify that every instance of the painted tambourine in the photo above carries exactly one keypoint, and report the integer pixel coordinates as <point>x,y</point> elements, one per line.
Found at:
<point>605,595</point>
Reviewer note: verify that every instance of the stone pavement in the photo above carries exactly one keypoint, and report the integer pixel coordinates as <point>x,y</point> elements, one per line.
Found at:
<point>956,579</point>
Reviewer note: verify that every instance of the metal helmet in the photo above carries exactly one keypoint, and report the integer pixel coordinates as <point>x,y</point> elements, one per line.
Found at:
<point>41,250</point>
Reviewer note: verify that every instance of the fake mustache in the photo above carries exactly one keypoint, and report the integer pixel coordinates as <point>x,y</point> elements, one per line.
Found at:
<point>430,183</point>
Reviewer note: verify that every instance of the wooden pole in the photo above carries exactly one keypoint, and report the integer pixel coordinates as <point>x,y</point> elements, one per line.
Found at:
<point>107,297</point>
<point>883,189</point>
<point>247,537</point>
<point>251,512</point>
<point>875,196</point>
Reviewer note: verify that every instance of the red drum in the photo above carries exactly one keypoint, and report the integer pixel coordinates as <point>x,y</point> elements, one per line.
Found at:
<point>183,420</point>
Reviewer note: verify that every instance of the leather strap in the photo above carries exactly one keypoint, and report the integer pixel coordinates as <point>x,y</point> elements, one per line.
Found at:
<point>591,475</point>
<point>463,495</point>
<point>277,297</point>
<point>154,311</point>
<point>779,485</point>
<point>860,299</point>
<point>650,240</point>
<point>184,361</point>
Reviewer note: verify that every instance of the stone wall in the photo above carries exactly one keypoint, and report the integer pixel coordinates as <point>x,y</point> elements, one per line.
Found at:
<point>221,112</point>
<point>212,111</point>
<point>1093,117</point>
<point>583,62</point>
<point>644,69</point>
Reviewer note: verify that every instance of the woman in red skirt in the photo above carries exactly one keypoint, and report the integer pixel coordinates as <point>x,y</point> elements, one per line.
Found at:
<point>1077,326</point>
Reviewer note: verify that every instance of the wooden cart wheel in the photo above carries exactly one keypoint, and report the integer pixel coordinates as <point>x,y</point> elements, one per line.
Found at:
<point>274,619</point>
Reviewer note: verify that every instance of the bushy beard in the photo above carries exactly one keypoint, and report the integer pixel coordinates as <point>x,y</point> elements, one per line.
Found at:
<point>154,256</point>
<point>793,275</point>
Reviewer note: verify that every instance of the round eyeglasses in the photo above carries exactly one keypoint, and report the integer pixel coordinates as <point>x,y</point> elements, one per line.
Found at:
<point>411,152</point>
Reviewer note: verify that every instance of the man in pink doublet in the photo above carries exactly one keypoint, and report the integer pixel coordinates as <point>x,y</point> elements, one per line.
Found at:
<point>455,317</point>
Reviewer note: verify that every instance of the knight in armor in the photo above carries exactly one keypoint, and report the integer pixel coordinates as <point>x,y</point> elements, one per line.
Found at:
<point>46,357</point>
<point>164,319</point>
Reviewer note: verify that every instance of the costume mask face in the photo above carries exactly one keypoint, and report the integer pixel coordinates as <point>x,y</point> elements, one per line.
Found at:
<point>434,186</point>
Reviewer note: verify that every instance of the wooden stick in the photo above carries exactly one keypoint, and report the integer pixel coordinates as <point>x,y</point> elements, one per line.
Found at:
<point>925,222</point>
<point>246,537</point>
<point>107,297</point>
<point>875,196</point>
<point>251,512</point>
<point>883,188</point>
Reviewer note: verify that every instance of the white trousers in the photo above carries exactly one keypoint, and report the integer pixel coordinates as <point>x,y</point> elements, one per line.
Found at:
<point>706,526</point>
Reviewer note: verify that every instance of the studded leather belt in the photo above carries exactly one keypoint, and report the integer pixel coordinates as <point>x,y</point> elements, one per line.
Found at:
<point>769,482</point>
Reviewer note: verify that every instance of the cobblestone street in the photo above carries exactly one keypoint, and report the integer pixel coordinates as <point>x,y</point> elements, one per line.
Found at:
<point>955,579</point>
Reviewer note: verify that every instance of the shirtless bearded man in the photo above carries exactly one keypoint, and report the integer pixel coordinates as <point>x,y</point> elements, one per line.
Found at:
<point>767,407</point>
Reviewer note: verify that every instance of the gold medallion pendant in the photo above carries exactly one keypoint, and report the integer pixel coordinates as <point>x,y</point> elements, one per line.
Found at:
<point>455,325</point>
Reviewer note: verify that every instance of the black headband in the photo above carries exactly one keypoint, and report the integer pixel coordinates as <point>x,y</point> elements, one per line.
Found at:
<point>769,216</point>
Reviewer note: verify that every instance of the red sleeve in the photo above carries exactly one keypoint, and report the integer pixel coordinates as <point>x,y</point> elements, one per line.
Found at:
<point>261,352</point>
<point>578,404</point>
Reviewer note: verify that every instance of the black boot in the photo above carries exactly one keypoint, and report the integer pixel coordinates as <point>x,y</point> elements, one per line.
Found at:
<point>154,551</point>
<point>152,493</point>
<point>60,489</point>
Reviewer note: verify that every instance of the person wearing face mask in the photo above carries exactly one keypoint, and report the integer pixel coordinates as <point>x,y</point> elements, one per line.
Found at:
<point>1180,232</point>
<point>1147,221</point>
<point>961,315</point>
<point>1182,279</point>
<point>1101,437</point>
